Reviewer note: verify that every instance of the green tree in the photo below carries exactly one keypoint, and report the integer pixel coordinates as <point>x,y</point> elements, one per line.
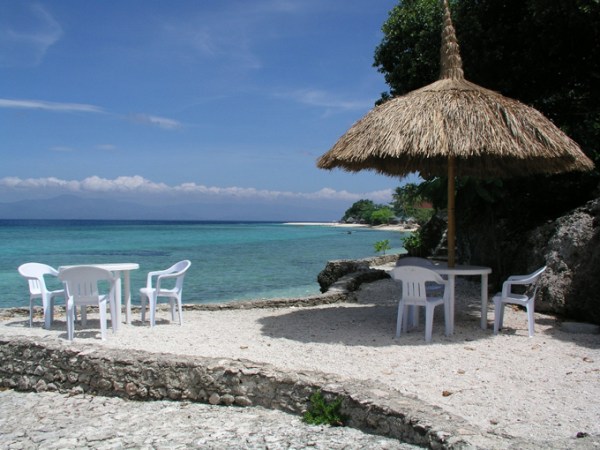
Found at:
<point>360,211</point>
<point>543,53</point>
<point>408,56</point>
<point>408,202</point>
<point>382,215</point>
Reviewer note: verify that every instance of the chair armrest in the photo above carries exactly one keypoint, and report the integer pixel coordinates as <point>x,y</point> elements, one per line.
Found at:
<point>517,280</point>
<point>152,274</point>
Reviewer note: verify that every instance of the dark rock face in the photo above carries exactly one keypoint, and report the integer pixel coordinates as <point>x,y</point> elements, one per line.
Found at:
<point>570,247</point>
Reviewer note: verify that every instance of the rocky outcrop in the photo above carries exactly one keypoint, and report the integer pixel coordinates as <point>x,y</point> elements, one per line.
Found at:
<point>336,269</point>
<point>570,247</point>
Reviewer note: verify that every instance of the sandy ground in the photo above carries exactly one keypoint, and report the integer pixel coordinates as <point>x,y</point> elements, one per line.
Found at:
<point>543,387</point>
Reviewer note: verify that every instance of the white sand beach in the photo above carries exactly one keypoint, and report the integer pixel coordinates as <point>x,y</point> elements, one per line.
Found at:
<point>395,227</point>
<point>545,387</point>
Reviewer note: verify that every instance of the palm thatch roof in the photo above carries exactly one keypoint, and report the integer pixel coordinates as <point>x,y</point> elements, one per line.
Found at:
<point>487,134</point>
<point>455,127</point>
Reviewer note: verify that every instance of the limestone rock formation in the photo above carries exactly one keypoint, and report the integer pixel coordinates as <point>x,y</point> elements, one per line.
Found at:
<point>570,247</point>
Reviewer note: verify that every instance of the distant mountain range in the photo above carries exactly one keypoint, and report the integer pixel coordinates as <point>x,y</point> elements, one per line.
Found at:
<point>74,207</point>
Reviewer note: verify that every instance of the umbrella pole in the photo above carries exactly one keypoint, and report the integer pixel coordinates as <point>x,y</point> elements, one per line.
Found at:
<point>451,222</point>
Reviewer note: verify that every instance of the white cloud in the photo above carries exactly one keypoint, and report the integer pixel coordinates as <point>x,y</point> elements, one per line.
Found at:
<point>106,147</point>
<point>27,31</point>
<point>142,186</point>
<point>62,149</point>
<point>323,99</point>
<point>162,122</point>
<point>49,106</point>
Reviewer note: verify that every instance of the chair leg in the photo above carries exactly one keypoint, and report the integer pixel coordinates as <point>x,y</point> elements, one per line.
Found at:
<point>30,312</point>
<point>143,306</point>
<point>70,320</point>
<point>429,309</point>
<point>447,317</point>
<point>102,310</point>
<point>47,308</point>
<point>415,316</point>
<point>179,306</point>
<point>152,307</point>
<point>498,315</point>
<point>399,318</point>
<point>172,305</point>
<point>113,315</point>
<point>83,315</point>
<point>530,320</point>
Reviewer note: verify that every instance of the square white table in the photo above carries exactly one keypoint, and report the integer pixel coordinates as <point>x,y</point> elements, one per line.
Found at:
<point>117,269</point>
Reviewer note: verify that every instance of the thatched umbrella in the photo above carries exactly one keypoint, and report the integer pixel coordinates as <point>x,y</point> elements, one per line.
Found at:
<point>455,128</point>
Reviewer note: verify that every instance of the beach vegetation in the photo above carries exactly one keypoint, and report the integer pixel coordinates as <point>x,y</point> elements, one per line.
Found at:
<point>323,412</point>
<point>414,201</point>
<point>382,246</point>
<point>412,244</point>
<point>382,216</point>
<point>368,212</point>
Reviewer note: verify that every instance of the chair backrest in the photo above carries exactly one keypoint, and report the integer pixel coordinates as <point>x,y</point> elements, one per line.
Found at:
<point>535,277</point>
<point>414,279</point>
<point>414,261</point>
<point>34,273</point>
<point>82,282</point>
<point>523,280</point>
<point>176,271</point>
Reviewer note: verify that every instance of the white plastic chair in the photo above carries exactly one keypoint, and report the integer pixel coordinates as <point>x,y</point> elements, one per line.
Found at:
<point>507,296</point>
<point>433,290</point>
<point>82,289</point>
<point>415,293</point>
<point>173,276</point>
<point>34,273</point>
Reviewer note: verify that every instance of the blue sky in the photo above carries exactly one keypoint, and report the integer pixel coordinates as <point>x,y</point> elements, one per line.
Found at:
<point>208,103</point>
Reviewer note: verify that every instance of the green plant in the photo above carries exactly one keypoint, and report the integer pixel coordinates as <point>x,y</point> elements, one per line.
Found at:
<point>413,243</point>
<point>322,412</point>
<point>382,246</point>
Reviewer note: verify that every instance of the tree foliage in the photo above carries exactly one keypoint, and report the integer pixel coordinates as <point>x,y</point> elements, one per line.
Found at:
<point>408,56</point>
<point>541,52</point>
<point>366,211</point>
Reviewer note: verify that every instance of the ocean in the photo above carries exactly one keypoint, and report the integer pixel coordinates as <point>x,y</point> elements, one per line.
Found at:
<point>230,260</point>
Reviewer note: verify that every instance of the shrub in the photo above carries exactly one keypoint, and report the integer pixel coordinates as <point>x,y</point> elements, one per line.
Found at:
<point>322,412</point>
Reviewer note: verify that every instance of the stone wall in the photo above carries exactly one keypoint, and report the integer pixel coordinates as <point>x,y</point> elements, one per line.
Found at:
<point>32,364</point>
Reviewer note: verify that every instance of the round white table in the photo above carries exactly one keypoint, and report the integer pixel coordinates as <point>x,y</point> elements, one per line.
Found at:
<point>452,272</point>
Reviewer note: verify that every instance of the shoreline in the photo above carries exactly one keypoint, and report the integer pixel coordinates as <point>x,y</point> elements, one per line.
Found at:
<point>398,227</point>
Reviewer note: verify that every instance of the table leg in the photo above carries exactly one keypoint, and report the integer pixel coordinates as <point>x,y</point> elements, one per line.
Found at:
<point>451,284</point>
<point>127,288</point>
<point>484,300</point>
<point>118,298</point>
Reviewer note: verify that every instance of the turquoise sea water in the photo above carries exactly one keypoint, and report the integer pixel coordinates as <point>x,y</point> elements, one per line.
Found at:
<point>230,261</point>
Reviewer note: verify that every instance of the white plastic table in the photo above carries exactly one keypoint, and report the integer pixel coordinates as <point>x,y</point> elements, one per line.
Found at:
<point>452,272</point>
<point>118,269</point>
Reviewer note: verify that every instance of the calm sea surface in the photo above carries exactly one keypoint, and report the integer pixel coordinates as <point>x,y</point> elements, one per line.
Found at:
<point>230,260</point>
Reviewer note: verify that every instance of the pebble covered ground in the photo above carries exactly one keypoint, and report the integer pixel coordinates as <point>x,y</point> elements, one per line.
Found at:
<point>59,421</point>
